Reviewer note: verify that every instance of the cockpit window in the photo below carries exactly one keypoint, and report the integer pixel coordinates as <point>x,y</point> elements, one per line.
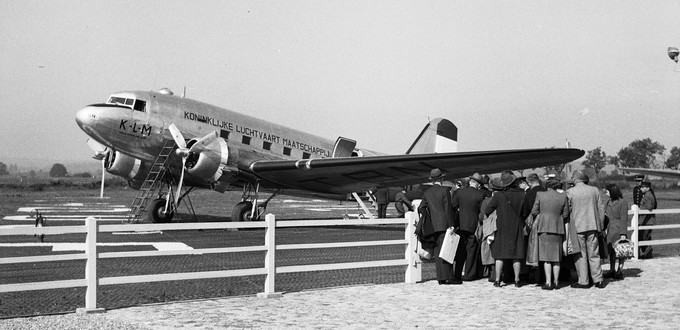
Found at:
<point>140,105</point>
<point>137,105</point>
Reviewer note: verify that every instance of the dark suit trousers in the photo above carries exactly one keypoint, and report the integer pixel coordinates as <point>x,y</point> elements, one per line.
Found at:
<point>468,253</point>
<point>443,268</point>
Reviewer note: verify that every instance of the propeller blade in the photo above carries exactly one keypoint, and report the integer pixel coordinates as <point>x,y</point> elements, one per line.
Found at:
<point>204,141</point>
<point>181,180</point>
<point>177,136</point>
<point>99,149</point>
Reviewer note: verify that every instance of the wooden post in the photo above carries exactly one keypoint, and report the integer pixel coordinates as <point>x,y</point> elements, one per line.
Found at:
<point>91,268</point>
<point>414,267</point>
<point>270,259</point>
<point>636,231</point>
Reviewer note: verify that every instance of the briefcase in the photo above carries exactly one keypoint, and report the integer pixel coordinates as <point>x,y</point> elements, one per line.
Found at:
<point>449,246</point>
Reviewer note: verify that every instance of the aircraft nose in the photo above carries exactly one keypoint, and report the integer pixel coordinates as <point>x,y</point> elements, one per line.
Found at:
<point>86,117</point>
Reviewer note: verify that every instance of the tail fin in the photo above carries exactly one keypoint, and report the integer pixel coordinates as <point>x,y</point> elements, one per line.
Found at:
<point>438,136</point>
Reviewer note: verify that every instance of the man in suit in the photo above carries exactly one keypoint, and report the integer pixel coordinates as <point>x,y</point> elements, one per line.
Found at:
<point>587,217</point>
<point>437,201</point>
<point>382,198</point>
<point>468,201</point>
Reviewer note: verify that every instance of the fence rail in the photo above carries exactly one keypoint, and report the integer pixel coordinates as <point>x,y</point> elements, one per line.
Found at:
<point>635,227</point>
<point>92,280</point>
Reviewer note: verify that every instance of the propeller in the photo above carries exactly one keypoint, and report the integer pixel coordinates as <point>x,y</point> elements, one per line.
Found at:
<point>99,149</point>
<point>100,153</point>
<point>184,152</point>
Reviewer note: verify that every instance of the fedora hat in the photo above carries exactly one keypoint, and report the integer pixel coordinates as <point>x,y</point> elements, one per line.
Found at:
<point>496,184</point>
<point>477,177</point>
<point>436,174</point>
<point>507,179</point>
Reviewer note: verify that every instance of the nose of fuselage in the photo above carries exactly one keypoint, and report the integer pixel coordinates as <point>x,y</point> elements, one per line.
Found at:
<point>87,117</point>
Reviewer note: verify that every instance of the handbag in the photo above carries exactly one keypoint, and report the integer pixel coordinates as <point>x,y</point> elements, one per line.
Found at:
<point>624,248</point>
<point>449,246</point>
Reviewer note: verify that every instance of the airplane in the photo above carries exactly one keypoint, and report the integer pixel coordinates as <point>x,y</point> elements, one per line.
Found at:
<point>673,174</point>
<point>222,150</point>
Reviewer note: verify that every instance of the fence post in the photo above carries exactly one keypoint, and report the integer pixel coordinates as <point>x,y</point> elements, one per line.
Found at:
<point>270,259</point>
<point>91,268</point>
<point>636,231</point>
<point>413,269</point>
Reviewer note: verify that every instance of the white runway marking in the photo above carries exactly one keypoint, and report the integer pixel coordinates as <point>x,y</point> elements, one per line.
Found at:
<point>59,247</point>
<point>65,217</point>
<point>49,209</point>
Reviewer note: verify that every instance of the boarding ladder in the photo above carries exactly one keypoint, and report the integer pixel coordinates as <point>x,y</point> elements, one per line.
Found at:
<point>152,182</point>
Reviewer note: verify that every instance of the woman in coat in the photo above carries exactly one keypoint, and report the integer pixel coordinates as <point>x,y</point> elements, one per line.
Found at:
<point>508,241</point>
<point>550,210</point>
<point>617,227</point>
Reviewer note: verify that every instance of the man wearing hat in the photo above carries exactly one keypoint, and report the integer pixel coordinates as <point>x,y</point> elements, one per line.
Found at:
<point>587,217</point>
<point>637,192</point>
<point>648,202</point>
<point>468,201</point>
<point>437,201</point>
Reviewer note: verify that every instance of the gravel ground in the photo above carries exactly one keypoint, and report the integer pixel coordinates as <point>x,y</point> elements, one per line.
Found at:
<point>68,322</point>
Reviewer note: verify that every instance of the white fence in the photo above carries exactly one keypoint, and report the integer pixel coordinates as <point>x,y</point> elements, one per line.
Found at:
<point>635,227</point>
<point>91,228</point>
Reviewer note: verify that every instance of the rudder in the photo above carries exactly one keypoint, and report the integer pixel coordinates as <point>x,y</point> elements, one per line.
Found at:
<point>439,136</point>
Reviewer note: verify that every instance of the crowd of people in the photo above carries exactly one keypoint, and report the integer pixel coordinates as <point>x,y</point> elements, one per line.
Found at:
<point>520,230</point>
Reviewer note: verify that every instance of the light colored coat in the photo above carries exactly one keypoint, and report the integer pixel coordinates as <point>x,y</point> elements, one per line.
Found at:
<point>587,210</point>
<point>550,209</point>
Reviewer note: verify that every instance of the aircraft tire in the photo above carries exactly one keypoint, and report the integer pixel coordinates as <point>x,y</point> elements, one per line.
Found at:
<point>155,210</point>
<point>241,212</point>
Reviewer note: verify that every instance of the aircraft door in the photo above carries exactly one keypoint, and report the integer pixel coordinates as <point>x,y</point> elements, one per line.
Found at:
<point>343,147</point>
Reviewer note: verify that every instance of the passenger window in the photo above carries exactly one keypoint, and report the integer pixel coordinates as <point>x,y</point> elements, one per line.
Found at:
<point>224,134</point>
<point>305,155</point>
<point>286,151</point>
<point>140,105</point>
<point>267,145</point>
<point>245,140</point>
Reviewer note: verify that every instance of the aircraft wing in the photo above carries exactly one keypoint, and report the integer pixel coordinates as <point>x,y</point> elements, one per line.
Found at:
<point>350,174</point>
<point>648,171</point>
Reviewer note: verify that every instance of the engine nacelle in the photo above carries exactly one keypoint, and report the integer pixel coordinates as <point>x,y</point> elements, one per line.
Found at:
<point>208,163</point>
<point>129,168</point>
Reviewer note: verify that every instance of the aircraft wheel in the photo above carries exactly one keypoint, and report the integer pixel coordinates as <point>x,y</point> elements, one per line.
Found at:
<point>156,214</point>
<point>242,212</point>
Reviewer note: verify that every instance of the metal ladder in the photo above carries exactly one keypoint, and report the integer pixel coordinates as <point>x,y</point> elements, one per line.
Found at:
<point>151,183</point>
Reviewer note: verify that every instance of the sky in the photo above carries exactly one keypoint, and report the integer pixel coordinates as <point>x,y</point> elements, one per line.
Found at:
<point>509,74</point>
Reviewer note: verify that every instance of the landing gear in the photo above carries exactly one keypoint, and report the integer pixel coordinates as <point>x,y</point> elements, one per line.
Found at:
<point>242,212</point>
<point>157,213</point>
<point>249,209</point>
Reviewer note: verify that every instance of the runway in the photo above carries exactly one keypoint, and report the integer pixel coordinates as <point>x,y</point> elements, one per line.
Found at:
<point>65,211</point>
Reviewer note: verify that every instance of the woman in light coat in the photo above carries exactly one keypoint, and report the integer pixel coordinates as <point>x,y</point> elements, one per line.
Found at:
<point>550,210</point>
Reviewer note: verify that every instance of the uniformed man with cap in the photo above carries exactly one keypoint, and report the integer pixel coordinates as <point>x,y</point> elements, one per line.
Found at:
<point>637,192</point>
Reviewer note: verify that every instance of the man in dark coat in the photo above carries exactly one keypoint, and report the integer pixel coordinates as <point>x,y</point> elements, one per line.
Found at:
<point>647,202</point>
<point>637,193</point>
<point>437,201</point>
<point>468,201</point>
<point>382,198</point>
